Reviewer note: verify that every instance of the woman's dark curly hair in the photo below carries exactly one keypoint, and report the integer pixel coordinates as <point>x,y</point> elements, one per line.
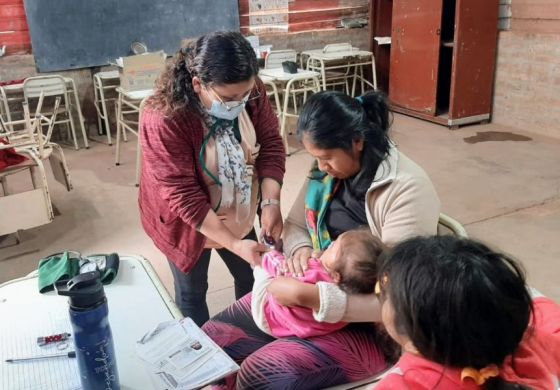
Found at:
<point>216,58</point>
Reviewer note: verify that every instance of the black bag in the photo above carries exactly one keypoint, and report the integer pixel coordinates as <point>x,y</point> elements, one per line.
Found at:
<point>289,67</point>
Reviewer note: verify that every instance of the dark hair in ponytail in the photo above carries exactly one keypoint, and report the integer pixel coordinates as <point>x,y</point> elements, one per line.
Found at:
<point>216,58</point>
<point>459,302</point>
<point>334,120</point>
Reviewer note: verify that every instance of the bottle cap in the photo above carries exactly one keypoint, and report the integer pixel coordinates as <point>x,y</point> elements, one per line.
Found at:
<point>84,290</point>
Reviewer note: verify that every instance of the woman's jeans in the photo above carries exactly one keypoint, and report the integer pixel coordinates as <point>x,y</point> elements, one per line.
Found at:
<point>191,287</point>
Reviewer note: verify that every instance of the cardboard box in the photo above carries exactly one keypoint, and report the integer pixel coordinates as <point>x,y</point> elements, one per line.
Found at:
<point>140,72</point>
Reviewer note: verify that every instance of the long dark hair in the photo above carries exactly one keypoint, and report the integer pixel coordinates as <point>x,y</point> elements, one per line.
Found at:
<point>459,302</point>
<point>219,58</point>
<point>334,120</point>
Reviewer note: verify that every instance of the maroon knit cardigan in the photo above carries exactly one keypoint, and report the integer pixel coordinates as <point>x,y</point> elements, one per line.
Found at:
<point>173,198</point>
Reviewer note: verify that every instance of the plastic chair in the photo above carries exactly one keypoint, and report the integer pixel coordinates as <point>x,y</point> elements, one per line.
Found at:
<point>333,47</point>
<point>272,90</point>
<point>130,103</point>
<point>26,209</point>
<point>298,85</point>
<point>53,86</point>
<point>31,140</point>
<point>105,83</point>
<point>275,58</point>
<point>139,143</point>
<point>446,225</point>
<point>29,208</point>
<point>335,71</point>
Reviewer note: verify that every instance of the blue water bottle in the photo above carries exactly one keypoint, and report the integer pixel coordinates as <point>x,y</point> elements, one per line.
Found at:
<point>92,335</point>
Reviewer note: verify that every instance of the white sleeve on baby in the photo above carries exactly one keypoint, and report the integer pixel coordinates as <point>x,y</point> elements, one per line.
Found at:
<point>259,298</point>
<point>333,303</point>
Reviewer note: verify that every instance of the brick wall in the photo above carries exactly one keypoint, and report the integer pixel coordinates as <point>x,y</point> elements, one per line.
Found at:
<point>527,87</point>
<point>305,24</point>
<point>280,16</point>
<point>14,33</point>
<point>317,39</point>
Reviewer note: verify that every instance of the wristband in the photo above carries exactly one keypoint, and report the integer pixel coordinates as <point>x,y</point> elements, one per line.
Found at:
<point>267,202</point>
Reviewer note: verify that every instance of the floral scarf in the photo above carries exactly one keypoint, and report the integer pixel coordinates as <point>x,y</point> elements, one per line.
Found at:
<point>232,170</point>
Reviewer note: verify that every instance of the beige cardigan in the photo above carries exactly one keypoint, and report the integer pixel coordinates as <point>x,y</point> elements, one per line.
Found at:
<point>400,203</point>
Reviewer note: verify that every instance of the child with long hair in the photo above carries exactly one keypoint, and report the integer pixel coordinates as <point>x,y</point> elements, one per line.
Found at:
<point>465,319</point>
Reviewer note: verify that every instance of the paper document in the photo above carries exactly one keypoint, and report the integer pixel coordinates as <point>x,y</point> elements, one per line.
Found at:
<point>179,355</point>
<point>383,40</point>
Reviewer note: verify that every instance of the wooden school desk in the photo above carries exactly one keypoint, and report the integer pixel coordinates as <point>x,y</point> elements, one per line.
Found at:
<point>137,303</point>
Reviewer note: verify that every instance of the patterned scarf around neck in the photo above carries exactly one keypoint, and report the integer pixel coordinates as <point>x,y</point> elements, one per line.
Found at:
<point>320,191</point>
<point>232,170</point>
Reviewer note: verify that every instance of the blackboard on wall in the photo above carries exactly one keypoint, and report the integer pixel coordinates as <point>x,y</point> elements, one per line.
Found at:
<point>70,34</point>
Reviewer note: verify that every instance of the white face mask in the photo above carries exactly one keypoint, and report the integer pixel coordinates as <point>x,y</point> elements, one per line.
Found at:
<point>229,110</point>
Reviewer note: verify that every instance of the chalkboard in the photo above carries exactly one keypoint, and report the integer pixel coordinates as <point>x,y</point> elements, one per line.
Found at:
<point>70,34</point>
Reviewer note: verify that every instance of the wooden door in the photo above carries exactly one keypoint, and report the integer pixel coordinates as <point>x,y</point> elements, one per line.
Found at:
<point>415,47</point>
<point>474,58</point>
<point>380,17</point>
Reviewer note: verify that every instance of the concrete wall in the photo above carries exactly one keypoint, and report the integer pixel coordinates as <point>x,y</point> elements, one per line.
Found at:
<point>527,87</point>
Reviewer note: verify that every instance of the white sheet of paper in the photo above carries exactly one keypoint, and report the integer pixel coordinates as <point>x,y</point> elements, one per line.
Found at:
<point>383,40</point>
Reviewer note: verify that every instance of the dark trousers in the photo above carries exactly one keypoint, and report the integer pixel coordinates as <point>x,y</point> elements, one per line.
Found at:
<point>191,287</point>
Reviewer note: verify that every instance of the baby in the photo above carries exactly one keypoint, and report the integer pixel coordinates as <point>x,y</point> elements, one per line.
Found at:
<point>350,262</point>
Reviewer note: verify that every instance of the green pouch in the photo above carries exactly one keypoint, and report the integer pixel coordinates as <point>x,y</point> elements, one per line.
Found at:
<point>60,266</point>
<point>66,265</point>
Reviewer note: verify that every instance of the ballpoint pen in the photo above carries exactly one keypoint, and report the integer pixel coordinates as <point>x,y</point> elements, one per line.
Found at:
<point>71,354</point>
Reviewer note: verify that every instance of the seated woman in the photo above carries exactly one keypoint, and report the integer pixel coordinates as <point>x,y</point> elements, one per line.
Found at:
<point>359,178</point>
<point>350,262</point>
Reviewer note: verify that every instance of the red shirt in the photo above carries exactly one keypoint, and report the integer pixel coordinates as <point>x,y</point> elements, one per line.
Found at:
<point>535,363</point>
<point>173,198</point>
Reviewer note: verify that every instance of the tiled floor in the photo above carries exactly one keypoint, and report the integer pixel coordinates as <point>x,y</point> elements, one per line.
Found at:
<point>506,193</point>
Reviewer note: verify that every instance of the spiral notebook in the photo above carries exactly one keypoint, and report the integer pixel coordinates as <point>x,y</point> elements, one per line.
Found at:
<point>17,342</point>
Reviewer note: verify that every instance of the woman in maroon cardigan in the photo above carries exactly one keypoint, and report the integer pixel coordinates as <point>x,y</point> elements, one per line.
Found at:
<point>211,150</point>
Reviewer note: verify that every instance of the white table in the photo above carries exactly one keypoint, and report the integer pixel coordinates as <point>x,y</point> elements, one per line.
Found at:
<point>137,303</point>
<point>354,59</point>
<point>16,90</point>
<point>130,103</point>
<point>290,80</point>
